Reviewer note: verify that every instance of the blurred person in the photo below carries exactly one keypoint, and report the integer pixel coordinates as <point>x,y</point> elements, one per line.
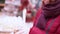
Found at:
<point>47,20</point>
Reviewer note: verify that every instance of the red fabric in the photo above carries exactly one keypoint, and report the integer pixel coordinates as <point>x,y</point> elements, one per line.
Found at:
<point>55,28</point>
<point>37,16</point>
<point>35,30</point>
<point>21,8</point>
<point>24,2</point>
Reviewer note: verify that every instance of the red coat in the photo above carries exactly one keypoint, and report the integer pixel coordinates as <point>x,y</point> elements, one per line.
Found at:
<point>54,29</point>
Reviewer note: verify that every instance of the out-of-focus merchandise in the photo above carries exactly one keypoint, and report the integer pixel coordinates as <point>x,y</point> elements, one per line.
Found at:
<point>8,20</point>
<point>33,2</point>
<point>14,2</point>
<point>12,6</point>
<point>8,1</point>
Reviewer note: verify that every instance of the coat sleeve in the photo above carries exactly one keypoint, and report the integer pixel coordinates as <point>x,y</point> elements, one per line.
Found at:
<point>58,30</point>
<point>36,30</point>
<point>37,16</point>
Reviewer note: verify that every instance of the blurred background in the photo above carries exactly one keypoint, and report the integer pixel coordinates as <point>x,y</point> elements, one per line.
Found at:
<point>33,6</point>
<point>26,9</point>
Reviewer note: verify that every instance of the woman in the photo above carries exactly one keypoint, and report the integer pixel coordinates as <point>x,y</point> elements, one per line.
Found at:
<point>47,20</point>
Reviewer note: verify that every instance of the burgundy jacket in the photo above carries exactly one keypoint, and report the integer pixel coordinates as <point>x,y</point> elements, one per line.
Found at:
<point>51,27</point>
